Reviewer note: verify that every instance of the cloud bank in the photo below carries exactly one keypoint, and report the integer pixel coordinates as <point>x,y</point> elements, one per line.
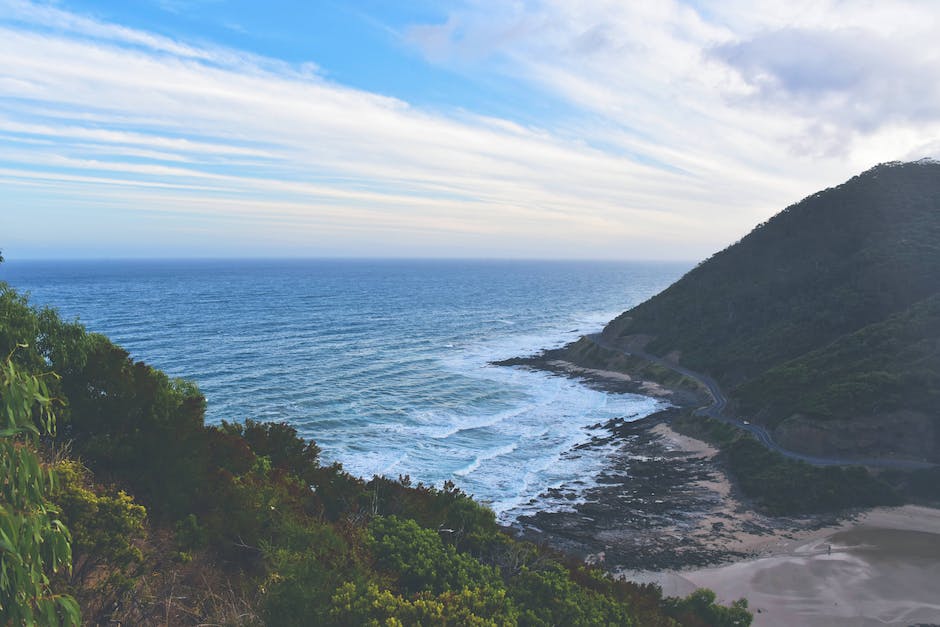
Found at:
<point>686,124</point>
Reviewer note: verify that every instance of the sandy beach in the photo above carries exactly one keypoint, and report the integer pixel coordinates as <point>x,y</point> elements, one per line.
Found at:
<point>883,569</point>
<point>880,568</point>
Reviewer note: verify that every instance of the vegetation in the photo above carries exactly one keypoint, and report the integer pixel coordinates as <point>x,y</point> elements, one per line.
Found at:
<point>105,524</point>
<point>721,434</point>
<point>699,607</point>
<point>177,522</point>
<point>920,486</point>
<point>829,311</point>
<point>34,543</point>
<point>883,367</point>
<point>787,487</point>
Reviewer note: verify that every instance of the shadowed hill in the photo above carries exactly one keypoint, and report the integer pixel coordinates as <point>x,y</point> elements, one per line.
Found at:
<point>826,313</point>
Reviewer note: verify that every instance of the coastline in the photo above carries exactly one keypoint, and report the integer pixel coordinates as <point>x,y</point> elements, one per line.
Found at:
<point>664,504</point>
<point>879,569</point>
<point>666,513</point>
<point>608,380</point>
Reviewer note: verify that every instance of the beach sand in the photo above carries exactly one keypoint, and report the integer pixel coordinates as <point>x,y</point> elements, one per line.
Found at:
<point>881,569</point>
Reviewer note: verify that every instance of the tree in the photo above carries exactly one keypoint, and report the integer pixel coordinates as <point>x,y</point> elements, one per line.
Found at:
<point>33,542</point>
<point>699,608</point>
<point>103,524</point>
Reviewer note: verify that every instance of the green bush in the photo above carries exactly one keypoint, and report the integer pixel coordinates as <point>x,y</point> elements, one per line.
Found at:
<point>34,543</point>
<point>786,487</point>
<point>104,524</point>
<point>699,608</point>
<point>421,562</point>
<point>548,596</point>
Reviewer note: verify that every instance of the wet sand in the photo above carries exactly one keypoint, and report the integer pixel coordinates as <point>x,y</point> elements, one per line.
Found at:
<point>880,567</point>
<point>883,569</point>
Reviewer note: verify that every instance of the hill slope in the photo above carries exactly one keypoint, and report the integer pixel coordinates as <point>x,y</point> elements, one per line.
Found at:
<point>823,321</point>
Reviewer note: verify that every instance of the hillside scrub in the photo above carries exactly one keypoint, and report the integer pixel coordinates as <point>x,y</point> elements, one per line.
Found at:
<point>785,487</point>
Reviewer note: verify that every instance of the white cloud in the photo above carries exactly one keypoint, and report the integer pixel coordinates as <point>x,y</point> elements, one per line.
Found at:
<point>782,89</point>
<point>675,140</point>
<point>851,78</point>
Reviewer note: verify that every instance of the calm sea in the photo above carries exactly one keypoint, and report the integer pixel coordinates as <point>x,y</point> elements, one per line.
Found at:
<point>383,363</point>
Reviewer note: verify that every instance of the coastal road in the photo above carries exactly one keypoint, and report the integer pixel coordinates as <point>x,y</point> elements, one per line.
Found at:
<point>717,410</point>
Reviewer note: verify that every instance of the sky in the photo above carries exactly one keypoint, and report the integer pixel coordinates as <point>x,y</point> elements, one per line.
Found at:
<point>564,129</point>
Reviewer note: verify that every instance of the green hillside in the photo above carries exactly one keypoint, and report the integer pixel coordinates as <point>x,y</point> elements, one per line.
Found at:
<point>827,312</point>
<point>878,386</point>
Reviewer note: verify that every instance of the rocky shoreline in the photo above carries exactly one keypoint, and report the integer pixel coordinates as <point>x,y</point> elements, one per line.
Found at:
<point>664,503</point>
<point>666,513</point>
<point>553,361</point>
<point>645,510</point>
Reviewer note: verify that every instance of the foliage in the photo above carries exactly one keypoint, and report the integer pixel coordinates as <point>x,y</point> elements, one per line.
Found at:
<point>715,432</point>
<point>309,563</point>
<point>421,561</point>
<point>890,365</point>
<point>786,487</point>
<point>921,485</point>
<point>125,418</point>
<point>33,542</point>
<point>699,608</point>
<point>104,524</point>
<point>469,526</point>
<point>130,419</point>
<point>368,605</point>
<point>279,443</point>
<point>190,534</point>
<point>829,309</point>
<point>548,596</point>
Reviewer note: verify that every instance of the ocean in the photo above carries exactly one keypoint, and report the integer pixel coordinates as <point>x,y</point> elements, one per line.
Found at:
<point>384,363</point>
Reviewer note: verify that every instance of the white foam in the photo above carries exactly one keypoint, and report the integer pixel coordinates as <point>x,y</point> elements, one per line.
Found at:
<point>389,470</point>
<point>484,457</point>
<point>548,432</point>
<point>531,341</point>
<point>505,435</point>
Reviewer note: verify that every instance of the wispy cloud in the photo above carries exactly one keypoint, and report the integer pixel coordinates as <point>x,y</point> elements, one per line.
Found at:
<point>760,87</point>
<point>683,116</point>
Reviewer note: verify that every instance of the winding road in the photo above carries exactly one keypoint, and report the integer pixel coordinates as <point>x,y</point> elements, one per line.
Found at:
<point>720,402</point>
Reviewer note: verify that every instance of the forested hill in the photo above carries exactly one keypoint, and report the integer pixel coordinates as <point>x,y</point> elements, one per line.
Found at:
<point>820,321</point>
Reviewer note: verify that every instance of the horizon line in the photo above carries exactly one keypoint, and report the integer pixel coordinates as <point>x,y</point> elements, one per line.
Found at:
<point>118,258</point>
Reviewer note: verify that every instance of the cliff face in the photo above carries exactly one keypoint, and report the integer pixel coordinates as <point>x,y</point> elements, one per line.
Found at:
<point>823,322</point>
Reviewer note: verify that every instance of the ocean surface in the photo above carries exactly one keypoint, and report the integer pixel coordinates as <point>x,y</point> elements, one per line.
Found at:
<point>383,363</point>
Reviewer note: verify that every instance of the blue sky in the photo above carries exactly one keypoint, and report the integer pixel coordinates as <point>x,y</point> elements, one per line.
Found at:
<point>475,128</point>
